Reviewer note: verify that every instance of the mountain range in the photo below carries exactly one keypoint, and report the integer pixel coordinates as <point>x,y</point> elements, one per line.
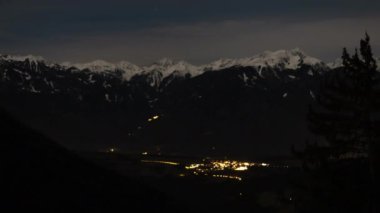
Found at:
<point>246,107</point>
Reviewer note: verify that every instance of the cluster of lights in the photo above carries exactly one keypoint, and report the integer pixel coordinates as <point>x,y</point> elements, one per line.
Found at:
<point>156,117</point>
<point>230,165</point>
<point>209,167</point>
<point>228,177</point>
<point>224,165</point>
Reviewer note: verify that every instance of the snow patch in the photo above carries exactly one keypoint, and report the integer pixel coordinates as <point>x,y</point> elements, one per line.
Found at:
<point>245,79</point>
<point>33,90</point>
<point>107,97</point>
<point>312,94</point>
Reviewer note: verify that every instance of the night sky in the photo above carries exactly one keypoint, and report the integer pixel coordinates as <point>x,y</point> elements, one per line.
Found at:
<point>198,31</point>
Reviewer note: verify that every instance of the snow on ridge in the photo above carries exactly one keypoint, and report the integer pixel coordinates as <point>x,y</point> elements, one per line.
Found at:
<point>289,59</point>
<point>31,58</point>
<point>168,66</point>
<point>96,66</point>
<point>129,69</point>
<point>165,66</point>
<point>99,66</point>
<point>221,64</point>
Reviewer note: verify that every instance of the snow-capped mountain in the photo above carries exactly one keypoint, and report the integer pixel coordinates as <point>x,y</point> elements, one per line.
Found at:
<point>168,67</point>
<point>128,69</point>
<point>165,68</point>
<point>36,75</point>
<point>158,71</point>
<point>284,59</point>
<point>25,73</point>
<point>30,58</point>
<point>95,66</point>
<point>222,102</point>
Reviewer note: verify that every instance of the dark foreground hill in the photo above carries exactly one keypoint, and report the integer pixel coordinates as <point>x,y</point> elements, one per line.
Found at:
<point>37,174</point>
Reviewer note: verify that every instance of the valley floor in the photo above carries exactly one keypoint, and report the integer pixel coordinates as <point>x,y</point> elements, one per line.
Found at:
<point>209,185</point>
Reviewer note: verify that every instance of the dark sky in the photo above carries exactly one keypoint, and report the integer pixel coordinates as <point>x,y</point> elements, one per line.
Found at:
<point>143,31</point>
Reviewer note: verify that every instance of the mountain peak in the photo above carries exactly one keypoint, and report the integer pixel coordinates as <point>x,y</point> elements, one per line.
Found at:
<point>30,58</point>
<point>282,59</point>
<point>96,66</point>
<point>99,66</point>
<point>164,62</point>
<point>288,59</point>
<point>168,66</point>
<point>297,50</point>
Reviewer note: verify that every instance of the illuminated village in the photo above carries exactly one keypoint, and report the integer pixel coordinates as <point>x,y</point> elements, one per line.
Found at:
<point>229,169</point>
<point>221,169</point>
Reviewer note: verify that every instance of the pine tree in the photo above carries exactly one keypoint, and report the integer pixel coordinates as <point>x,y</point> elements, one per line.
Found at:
<point>346,115</point>
<point>346,104</point>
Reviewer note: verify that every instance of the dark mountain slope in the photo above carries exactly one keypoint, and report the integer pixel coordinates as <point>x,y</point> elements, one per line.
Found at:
<point>235,111</point>
<point>37,174</point>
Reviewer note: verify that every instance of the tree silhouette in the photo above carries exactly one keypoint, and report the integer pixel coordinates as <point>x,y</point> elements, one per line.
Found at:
<point>346,115</point>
